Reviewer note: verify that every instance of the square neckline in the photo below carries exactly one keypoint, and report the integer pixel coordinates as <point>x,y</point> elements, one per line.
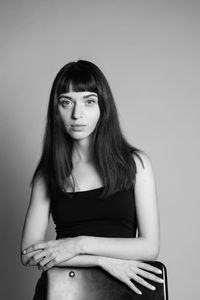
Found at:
<point>85,191</point>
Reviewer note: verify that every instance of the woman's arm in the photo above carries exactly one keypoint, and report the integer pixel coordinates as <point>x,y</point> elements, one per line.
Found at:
<point>123,270</point>
<point>146,246</point>
<point>37,218</point>
<point>82,260</point>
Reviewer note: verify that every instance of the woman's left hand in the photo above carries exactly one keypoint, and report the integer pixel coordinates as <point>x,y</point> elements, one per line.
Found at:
<point>53,252</point>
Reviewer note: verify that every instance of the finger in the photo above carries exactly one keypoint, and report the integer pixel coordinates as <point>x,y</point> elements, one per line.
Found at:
<point>32,262</point>
<point>30,255</point>
<point>149,267</point>
<point>40,255</point>
<point>149,276</point>
<point>132,286</point>
<point>144,282</point>
<point>39,268</point>
<point>34,247</point>
<point>46,260</point>
<point>37,257</point>
<point>49,265</point>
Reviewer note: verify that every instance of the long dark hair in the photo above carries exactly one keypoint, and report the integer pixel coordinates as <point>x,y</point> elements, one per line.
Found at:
<point>113,155</point>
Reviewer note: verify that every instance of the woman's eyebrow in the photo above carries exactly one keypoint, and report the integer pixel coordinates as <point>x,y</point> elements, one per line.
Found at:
<point>65,96</point>
<point>90,95</point>
<point>70,98</point>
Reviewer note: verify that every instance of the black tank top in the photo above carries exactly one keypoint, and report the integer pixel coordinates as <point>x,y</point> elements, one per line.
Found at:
<point>84,213</point>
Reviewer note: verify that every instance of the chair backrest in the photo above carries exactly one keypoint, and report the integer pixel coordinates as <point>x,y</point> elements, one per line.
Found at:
<point>93,283</point>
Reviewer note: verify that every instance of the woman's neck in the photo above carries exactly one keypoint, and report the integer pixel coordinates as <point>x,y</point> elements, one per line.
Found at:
<point>81,151</point>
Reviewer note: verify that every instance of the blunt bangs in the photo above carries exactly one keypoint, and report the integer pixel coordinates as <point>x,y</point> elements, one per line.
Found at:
<point>78,79</point>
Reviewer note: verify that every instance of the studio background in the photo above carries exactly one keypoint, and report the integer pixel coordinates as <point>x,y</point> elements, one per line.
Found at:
<point>149,52</point>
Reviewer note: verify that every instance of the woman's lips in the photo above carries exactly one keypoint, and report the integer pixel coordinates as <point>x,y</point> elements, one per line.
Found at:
<point>77,127</point>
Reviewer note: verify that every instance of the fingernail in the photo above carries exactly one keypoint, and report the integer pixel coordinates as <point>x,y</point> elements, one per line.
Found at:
<point>160,272</point>
<point>24,251</point>
<point>140,292</point>
<point>153,287</point>
<point>161,280</point>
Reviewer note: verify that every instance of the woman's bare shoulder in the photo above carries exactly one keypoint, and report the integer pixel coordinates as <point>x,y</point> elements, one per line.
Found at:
<point>142,161</point>
<point>39,189</point>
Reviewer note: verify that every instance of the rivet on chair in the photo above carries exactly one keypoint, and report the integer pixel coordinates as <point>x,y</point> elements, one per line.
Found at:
<point>71,273</point>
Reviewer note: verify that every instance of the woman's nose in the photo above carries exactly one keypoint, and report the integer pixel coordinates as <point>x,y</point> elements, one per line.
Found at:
<point>77,111</point>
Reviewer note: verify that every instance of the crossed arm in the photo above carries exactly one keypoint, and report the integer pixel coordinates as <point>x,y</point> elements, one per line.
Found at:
<point>123,254</point>
<point>145,247</point>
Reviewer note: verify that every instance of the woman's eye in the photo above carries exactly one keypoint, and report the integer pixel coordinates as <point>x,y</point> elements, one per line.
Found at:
<point>66,103</point>
<point>90,101</point>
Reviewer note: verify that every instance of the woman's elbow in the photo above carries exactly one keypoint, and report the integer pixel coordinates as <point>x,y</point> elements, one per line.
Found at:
<point>23,259</point>
<point>154,251</point>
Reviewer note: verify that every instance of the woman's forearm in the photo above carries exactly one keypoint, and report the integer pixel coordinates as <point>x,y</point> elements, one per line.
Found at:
<point>123,248</point>
<point>82,260</point>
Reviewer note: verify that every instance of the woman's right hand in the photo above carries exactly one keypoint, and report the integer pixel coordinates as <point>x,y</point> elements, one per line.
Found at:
<point>125,270</point>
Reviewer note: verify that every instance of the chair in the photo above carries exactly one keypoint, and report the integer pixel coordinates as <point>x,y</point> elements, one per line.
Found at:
<point>93,283</point>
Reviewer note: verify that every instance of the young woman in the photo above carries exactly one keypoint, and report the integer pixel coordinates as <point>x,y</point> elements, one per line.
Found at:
<point>99,189</point>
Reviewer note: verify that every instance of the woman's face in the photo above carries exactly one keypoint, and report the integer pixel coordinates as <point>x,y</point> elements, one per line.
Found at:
<point>79,112</point>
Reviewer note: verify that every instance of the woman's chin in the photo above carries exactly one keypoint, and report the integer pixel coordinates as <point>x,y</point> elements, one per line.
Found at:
<point>78,136</point>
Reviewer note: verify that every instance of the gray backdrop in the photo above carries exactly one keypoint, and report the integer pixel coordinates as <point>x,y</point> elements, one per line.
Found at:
<point>149,51</point>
